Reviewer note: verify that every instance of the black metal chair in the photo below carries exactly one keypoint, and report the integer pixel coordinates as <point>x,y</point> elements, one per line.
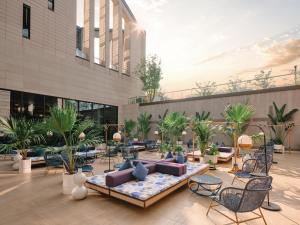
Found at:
<point>254,167</point>
<point>243,200</point>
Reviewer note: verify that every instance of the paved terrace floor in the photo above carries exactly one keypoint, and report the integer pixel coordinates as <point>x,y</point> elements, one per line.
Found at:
<point>36,199</point>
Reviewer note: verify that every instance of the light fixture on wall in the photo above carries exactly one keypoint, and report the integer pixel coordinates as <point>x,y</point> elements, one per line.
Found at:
<point>117,137</point>
<point>81,136</point>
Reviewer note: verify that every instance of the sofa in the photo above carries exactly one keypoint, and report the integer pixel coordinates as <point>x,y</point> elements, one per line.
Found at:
<point>164,177</point>
<point>225,154</point>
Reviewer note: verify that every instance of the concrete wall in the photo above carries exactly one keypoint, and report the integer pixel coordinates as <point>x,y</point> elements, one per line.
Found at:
<point>46,63</point>
<point>4,103</point>
<point>260,100</point>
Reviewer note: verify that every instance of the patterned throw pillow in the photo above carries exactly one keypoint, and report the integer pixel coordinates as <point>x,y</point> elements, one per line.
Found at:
<point>140,172</point>
<point>126,165</point>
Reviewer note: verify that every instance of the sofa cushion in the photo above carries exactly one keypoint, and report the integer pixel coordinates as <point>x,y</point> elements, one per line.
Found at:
<point>169,155</point>
<point>140,172</point>
<point>175,169</point>
<point>126,165</point>
<point>225,149</point>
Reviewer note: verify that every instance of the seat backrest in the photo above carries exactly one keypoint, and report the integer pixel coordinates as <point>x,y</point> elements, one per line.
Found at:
<point>260,166</point>
<point>254,193</point>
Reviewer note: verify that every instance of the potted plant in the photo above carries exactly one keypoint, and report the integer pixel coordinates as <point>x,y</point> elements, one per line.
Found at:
<point>211,154</point>
<point>237,117</point>
<point>127,130</point>
<point>23,134</point>
<point>205,130</point>
<point>143,125</point>
<point>64,123</point>
<point>163,148</point>
<point>179,154</point>
<point>280,126</point>
<point>173,125</point>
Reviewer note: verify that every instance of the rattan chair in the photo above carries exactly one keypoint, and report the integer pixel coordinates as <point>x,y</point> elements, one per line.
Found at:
<point>244,200</point>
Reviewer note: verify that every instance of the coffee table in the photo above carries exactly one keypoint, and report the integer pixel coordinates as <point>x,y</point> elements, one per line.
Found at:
<point>205,185</point>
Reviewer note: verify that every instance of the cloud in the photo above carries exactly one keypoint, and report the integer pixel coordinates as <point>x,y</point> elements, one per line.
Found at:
<point>219,37</point>
<point>282,54</point>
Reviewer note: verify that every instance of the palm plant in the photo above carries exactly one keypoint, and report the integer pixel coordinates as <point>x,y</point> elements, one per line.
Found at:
<point>237,117</point>
<point>203,116</point>
<point>128,128</point>
<point>205,130</point>
<point>173,125</point>
<point>143,125</point>
<point>22,134</point>
<point>75,133</point>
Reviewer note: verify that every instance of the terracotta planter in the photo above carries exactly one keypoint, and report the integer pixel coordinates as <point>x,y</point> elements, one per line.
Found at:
<point>68,183</point>
<point>25,166</point>
<point>212,158</point>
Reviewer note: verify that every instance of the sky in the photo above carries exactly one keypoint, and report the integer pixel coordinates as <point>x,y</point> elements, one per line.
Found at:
<point>218,40</point>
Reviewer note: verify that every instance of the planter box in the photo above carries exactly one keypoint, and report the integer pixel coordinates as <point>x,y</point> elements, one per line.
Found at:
<point>25,166</point>
<point>213,158</point>
<point>68,183</point>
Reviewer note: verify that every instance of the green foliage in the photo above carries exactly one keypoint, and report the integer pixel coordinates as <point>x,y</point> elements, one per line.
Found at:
<point>179,149</point>
<point>64,123</point>
<point>205,131</point>
<point>149,71</point>
<point>280,115</point>
<point>164,147</point>
<point>173,125</point>
<point>22,134</point>
<point>263,80</point>
<point>203,116</point>
<point>213,150</point>
<point>143,125</point>
<point>206,88</point>
<point>128,128</point>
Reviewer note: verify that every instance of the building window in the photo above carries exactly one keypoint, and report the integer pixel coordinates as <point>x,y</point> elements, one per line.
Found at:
<point>51,5</point>
<point>26,21</point>
<point>79,38</point>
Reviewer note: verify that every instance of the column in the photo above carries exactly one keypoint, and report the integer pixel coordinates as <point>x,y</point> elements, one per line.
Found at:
<point>92,31</point>
<point>120,39</point>
<point>86,28</point>
<point>126,48</point>
<point>117,26</point>
<point>104,33</point>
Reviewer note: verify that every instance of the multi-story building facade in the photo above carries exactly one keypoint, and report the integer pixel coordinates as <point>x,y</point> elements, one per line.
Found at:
<point>48,57</point>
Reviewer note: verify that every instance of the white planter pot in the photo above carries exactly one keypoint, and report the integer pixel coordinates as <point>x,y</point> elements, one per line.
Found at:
<point>68,183</point>
<point>16,160</point>
<point>279,148</point>
<point>25,166</point>
<point>213,158</point>
<point>79,191</point>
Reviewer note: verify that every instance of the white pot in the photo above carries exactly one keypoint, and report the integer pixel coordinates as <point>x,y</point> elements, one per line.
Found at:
<point>68,183</point>
<point>213,158</point>
<point>25,166</point>
<point>279,148</point>
<point>79,191</point>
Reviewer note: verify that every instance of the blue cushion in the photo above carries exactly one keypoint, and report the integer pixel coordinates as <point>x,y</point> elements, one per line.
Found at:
<point>180,158</point>
<point>169,155</point>
<point>126,165</point>
<point>140,172</point>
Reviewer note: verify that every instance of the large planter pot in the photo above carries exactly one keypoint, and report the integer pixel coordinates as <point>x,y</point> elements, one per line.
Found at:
<point>212,158</point>
<point>16,161</point>
<point>68,183</point>
<point>79,191</point>
<point>25,166</point>
<point>279,148</point>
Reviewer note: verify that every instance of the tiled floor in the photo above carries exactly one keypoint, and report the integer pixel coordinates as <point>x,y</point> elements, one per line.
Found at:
<point>36,199</point>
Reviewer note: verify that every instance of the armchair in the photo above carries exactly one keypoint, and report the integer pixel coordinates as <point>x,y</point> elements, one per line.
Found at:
<point>242,200</point>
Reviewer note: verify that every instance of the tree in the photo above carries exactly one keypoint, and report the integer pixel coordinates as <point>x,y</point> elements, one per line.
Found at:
<point>128,128</point>
<point>234,85</point>
<point>149,71</point>
<point>205,88</point>
<point>143,125</point>
<point>263,80</point>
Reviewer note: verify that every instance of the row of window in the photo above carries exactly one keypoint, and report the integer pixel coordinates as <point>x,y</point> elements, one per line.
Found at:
<point>38,106</point>
<point>27,18</point>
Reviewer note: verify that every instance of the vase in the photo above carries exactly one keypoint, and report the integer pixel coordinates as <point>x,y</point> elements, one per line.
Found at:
<point>68,183</point>
<point>25,166</point>
<point>16,161</point>
<point>212,158</point>
<point>79,191</point>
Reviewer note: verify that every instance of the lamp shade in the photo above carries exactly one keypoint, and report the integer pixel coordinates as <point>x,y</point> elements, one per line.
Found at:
<point>82,136</point>
<point>117,137</point>
<point>245,142</point>
<point>183,133</point>
<point>49,133</point>
<point>156,132</point>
